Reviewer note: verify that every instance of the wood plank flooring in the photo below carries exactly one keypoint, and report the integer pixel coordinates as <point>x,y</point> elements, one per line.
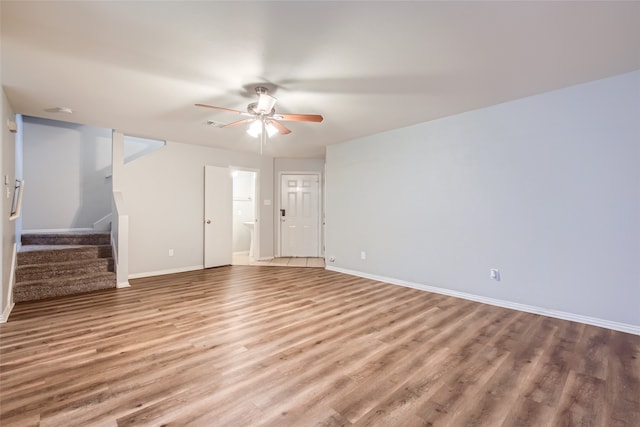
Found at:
<point>274,346</point>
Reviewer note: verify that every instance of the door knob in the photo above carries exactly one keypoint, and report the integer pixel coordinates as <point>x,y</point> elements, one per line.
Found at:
<point>208,221</point>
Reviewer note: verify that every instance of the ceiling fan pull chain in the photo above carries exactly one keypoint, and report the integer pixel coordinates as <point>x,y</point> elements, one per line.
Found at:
<point>263,135</point>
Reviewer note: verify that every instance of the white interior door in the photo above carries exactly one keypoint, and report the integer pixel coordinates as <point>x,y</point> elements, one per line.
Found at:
<point>218,216</point>
<point>299,215</point>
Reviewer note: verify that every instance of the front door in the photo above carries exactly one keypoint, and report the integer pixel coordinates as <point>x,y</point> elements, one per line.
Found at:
<point>299,215</point>
<point>218,218</point>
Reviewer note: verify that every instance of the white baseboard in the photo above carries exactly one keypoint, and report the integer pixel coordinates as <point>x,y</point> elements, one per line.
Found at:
<point>103,224</point>
<point>241,253</point>
<point>6,311</point>
<point>266,258</point>
<point>603,323</point>
<point>169,271</point>
<point>123,285</point>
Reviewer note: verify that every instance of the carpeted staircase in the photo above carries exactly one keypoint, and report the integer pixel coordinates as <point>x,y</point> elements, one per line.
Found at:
<point>57,264</point>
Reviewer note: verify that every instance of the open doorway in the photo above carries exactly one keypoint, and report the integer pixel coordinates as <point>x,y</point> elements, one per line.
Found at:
<point>245,217</point>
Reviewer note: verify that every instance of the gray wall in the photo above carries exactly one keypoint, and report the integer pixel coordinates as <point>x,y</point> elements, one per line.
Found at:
<point>298,165</point>
<point>66,164</point>
<point>67,167</point>
<point>546,189</point>
<point>164,196</point>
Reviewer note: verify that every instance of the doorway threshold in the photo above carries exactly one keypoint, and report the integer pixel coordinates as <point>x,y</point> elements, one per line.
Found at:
<point>242,259</point>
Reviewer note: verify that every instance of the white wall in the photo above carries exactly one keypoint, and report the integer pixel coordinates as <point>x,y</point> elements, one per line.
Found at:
<point>68,168</point>
<point>164,195</point>
<point>7,159</point>
<point>546,189</point>
<point>298,165</point>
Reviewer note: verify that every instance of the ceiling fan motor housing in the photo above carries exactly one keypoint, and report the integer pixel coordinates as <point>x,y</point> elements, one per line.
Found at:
<point>265,102</point>
<point>253,109</point>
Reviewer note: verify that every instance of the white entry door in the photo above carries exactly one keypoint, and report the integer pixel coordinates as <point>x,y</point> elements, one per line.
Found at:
<point>218,218</point>
<point>299,215</point>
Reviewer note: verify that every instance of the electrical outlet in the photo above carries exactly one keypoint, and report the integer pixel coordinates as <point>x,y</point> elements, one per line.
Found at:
<point>170,252</point>
<point>363,255</point>
<point>494,273</point>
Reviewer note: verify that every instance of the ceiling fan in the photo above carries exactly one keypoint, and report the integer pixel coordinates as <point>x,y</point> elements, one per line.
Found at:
<point>263,117</point>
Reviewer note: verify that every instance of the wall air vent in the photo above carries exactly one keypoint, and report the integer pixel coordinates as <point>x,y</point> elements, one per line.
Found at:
<point>63,110</point>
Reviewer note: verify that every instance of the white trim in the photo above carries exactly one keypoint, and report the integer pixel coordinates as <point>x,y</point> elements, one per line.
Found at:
<point>320,226</point>
<point>603,323</point>
<point>169,271</point>
<point>103,224</point>
<point>7,308</point>
<point>114,249</point>
<point>323,214</point>
<point>264,258</point>
<point>6,312</point>
<point>120,239</point>
<point>124,284</point>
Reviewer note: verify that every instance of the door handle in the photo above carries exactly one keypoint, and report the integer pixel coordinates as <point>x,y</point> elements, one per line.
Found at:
<point>282,212</point>
<point>208,221</point>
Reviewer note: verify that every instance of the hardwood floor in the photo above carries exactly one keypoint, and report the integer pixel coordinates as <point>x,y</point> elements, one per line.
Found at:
<point>273,346</point>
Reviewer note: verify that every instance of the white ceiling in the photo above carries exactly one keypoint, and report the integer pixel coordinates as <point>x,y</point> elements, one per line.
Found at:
<point>367,67</point>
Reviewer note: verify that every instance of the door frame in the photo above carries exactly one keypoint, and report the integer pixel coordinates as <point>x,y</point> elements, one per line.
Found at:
<point>317,174</point>
<point>256,208</point>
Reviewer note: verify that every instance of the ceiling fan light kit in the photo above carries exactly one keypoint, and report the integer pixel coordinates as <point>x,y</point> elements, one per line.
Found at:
<point>263,120</point>
<point>255,129</point>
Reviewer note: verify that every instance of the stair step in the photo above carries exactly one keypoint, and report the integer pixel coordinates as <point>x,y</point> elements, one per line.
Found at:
<point>48,254</point>
<point>71,238</point>
<point>27,272</point>
<point>56,264</point>
<point>56,287</point>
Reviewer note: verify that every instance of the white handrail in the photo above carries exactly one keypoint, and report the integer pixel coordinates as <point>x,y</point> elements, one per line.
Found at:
<point>16,209</point>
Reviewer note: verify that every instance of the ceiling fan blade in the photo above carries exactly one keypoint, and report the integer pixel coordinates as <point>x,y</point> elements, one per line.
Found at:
<point>219,108</point>
<point>238,123</point>
<point>299,117</point>
<point>281,128</point>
